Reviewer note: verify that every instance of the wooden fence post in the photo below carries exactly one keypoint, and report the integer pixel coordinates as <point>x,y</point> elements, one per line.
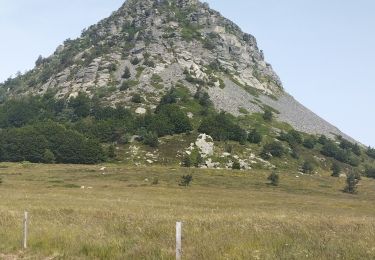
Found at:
<point>178,240</point>
<point>25,222</point>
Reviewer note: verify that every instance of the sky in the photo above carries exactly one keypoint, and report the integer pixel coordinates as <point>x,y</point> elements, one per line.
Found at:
<point>323,50</point>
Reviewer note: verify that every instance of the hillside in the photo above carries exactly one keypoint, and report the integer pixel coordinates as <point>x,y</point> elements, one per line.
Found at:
<point>166,82</point>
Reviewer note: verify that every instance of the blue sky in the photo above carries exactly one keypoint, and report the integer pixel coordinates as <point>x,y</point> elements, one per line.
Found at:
<point>324,51</point>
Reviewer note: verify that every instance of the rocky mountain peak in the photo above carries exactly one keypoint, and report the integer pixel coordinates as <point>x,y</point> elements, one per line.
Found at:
<point>149,46</point>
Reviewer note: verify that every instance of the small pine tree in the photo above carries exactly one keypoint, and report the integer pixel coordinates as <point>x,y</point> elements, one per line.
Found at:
<point>352,181</point>
<point>127,73</point>
<point>274,179</point>
<point>336,169</point>
<point>186,180</point>
<point>111,151</point>
<point>48,156</point>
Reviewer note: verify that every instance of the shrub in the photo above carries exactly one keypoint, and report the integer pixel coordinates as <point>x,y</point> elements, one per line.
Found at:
<point>274,179</point>
<point>323,139</point>
<point>275,149</point>
<point>151,139</point>
<point>149,63</point>
<point>336,169</point>
<point>127,84</point>
<point>236,165</point>
<point>111,151</point>
<point>48,156</point>
<point>292,137</point>
<point>186,161</point>
<point>254,137</point>
<point>307,167</point>
<point>309,143</point>
<point>186,180</point>
<point>203,98</point>
<point>370,173</point>
<point>268,115</point>
<point>330,149</point>
<point>136,98</point>
<point>222,128</point>
<point>126,74</point>
<point>194,159</point>
<point>370,152</point>
<point>155,181</point>
<point>135,61</point>
<point>352,181</point>
<point>81,105</point>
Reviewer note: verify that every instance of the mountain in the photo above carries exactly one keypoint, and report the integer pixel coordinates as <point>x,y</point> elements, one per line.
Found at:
<point>165,81</point>
<point>168,38</point>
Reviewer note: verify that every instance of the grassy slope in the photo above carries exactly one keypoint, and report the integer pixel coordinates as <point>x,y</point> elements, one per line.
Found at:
<point>226,214</point>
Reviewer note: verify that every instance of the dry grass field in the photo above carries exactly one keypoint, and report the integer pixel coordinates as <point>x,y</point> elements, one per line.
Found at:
<point>226,214</point>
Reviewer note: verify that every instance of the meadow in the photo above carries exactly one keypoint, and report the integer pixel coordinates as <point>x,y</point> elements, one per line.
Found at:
<point>130,213</point>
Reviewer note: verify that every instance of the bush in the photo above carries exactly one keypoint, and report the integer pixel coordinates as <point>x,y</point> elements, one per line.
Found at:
<point>222,128</point>
<point>203,98</point>
<point>336,169</point>
<point>194,159</point>
<point>292,137</point>
<point>186,180</point>
<point>309,143</point>
<point>151,139</point>
<point>274,179</point>
<point>135,61</point>
<point>236,165</point>
<point>330,149</point>
<point>268,115</point>
<point>155,181</point>
<point>254,137</point>
<point>136,98</point>
<point>370,173</point>
<point>370,152</point>
<point>31,143</point>
<point>352,181</point>
<point>127,84</point>
<point>127,73</point>
<point>111,151</point>
<point>308,167</point>
<point>186,161</point>
<point>275,149</point>
<point>48,156</point>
